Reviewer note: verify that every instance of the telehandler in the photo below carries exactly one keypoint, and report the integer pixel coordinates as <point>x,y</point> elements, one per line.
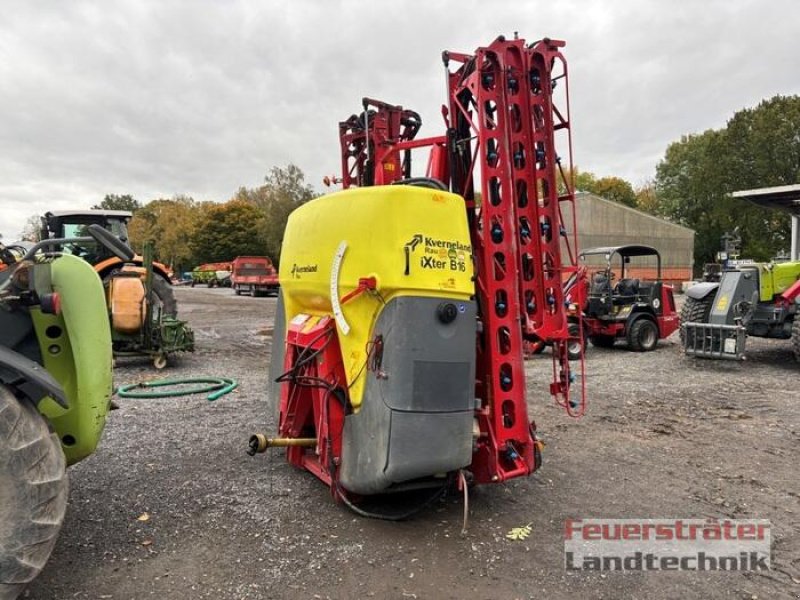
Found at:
<point>758,299</point>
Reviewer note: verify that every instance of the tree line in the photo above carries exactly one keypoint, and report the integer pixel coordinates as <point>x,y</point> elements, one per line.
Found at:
<point>758,147</point>
<point>187,232</point>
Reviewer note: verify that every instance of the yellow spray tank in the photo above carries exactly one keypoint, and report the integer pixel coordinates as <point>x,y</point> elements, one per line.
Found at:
<point>410,417</point>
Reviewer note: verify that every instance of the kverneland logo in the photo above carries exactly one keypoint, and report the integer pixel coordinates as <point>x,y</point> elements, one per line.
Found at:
<point>298,269</point>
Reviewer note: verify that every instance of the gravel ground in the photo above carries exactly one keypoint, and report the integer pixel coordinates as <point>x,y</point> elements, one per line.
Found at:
<point>665,436</point>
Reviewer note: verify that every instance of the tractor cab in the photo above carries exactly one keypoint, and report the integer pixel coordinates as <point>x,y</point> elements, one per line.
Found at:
<point>75,224</point>
<point>629,306</point>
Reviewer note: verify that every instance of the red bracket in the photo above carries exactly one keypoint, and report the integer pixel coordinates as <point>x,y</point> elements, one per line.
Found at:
<point>364,284</point>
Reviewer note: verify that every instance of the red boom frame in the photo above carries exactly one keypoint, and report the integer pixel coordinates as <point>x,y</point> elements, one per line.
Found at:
<point>502,119</point>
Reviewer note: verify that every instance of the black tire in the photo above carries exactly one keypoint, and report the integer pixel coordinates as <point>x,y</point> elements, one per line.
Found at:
<point>166,296</point>
<point>33,493</point>
<point>695,311</point>
<point>643,336</point>
<point>237,291</point>
<point>796,337</point>
<point>574,346</point>
<point>602,341</point>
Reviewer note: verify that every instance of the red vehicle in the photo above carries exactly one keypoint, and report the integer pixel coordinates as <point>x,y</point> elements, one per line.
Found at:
<point>254,274</point>
<point>636,310</point>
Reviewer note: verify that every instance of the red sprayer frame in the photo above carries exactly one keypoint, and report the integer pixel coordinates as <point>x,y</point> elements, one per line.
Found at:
<point>502,99</point>
<point>503,125</point>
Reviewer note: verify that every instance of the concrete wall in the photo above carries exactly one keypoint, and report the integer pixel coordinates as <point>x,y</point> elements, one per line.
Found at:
<point>605,223</point>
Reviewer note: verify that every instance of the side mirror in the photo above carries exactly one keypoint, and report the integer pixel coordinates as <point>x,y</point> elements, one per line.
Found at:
<point>117,247</point>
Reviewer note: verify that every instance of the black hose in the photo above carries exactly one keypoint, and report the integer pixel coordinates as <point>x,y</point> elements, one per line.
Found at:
<point>426,182</point>
<point>438,493</point>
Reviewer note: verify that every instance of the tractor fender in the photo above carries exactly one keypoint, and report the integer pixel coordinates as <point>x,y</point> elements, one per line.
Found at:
<point>700,290</point>
<point>109,264</point>
<point>639,315</point>
<point>20,372</point>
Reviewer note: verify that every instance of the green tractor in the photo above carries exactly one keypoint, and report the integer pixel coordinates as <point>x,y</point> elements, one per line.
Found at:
<point>141,304</point>
<point>757,299</point>
<point>55,390</point>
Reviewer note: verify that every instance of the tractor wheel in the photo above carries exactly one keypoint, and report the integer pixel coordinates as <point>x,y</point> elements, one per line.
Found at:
<point>695,311</point>
<point>33,493</point>
<point>796,337</point>
<point>163,290</point>
<point>643,336</point>
<point>602,341</point>
<point>574,346</point>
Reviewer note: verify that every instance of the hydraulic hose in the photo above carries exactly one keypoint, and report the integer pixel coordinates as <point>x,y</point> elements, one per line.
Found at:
<point>216,387</point>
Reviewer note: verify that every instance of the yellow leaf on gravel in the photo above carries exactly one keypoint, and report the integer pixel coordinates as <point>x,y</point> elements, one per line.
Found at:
<point>519,533</point>
<point>143,517</point>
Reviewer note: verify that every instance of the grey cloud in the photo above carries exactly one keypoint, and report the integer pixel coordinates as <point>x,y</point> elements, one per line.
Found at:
<point>199,98</point>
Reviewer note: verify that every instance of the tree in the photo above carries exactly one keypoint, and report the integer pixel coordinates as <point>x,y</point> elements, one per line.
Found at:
<point>115,202</point>
<point>170,225</point>
<point>610,188</point>
<point>616,189</point>
<point>32,230</point>
<point>647,200</point>
<point>284,190</point>
<point>227,231</point>
<point>758,147</point>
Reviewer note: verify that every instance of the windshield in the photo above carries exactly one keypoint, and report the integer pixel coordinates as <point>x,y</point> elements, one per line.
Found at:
<point>91,251</point>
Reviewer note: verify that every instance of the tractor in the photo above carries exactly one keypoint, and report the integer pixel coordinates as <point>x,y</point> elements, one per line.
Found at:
<point>640,312</point>
<point>757,299</point>
<point>68,224</point>
<point>141,303</point>
<point>55,390</point>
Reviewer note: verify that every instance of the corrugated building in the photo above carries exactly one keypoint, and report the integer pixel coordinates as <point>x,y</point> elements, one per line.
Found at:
<point>602,222</point>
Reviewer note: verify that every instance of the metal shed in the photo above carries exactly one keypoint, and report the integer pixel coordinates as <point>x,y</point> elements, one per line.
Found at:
<point>603,222</point>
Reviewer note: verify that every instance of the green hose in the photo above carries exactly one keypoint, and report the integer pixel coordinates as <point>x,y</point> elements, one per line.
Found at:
<point>218,386</point>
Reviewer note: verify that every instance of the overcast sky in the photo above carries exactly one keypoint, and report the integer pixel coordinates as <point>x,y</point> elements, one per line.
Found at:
<point>162,98</point>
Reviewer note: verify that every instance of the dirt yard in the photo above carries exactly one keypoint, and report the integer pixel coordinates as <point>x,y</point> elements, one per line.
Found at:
<point>664,436</point>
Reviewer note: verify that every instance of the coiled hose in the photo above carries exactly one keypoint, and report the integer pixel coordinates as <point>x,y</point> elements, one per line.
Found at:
<point>216,387</point>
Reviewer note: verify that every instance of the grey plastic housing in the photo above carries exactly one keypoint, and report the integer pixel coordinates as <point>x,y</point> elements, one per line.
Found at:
<point>416,416</point>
